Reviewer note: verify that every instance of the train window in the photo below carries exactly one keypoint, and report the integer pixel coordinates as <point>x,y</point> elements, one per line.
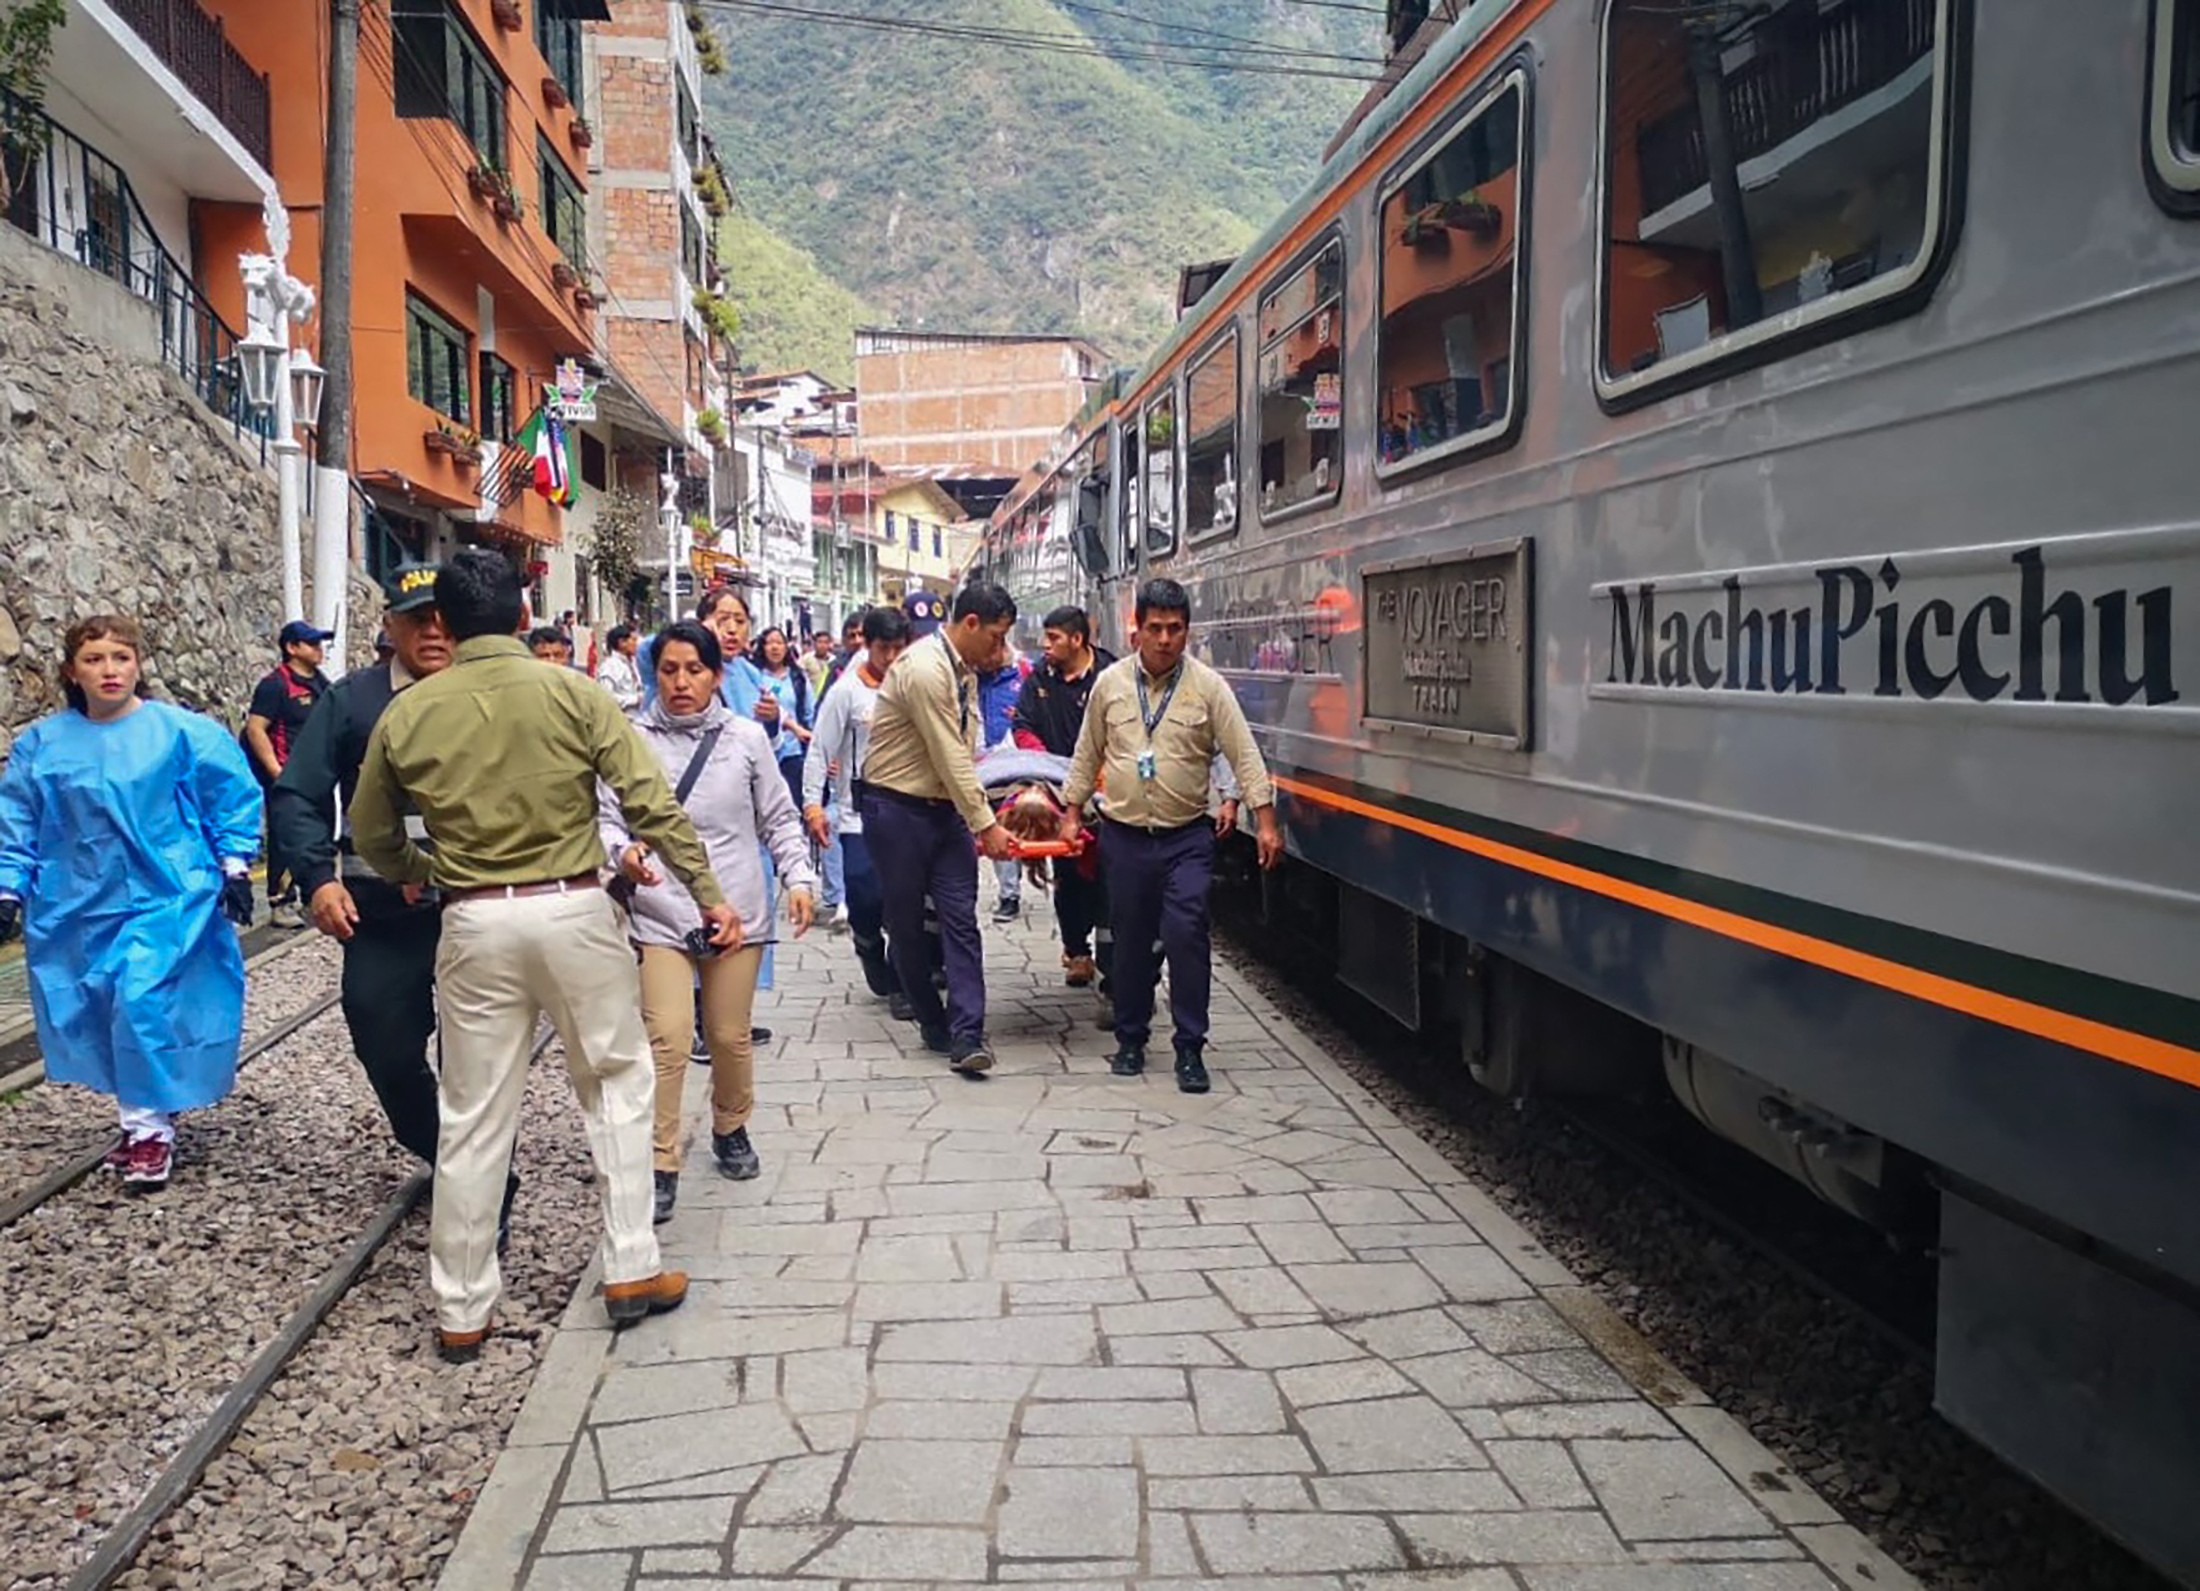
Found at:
<point>1445,371</point>
<point>1158,495</point>
<point>1302,385</point>
<point>2173,119</point>
<point>1089,472</point>
<point>1819,188</point>
<point>1128,497</point>
<point>1210,442</point>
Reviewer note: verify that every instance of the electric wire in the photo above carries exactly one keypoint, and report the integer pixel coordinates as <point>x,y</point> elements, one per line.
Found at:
<point>1076,45</point>
<point>1252,44</point>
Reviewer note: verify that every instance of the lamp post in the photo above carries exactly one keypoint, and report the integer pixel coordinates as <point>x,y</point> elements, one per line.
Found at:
<point>276,376</point>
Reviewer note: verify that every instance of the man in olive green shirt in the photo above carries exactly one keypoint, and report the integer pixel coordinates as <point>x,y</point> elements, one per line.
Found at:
<point>921,803</point>
<point>501,757</point>
<point>1153,726</point>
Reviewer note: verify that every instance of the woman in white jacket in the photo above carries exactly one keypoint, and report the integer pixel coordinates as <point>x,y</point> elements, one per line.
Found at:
<point>728,779</point>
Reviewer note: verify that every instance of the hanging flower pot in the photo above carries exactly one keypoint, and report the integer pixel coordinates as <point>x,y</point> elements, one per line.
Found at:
<point>506,206</point>
<point>506,14</point>
<point>438,440</point>
<point>564,275</point>
<point>588,295</point>
<point>483,180</point>
<point>554,94</point>
<point>583,135</point>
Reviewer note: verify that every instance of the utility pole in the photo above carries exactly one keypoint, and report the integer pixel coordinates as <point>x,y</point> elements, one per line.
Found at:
<point>332,460</point>
<point>1737,256</point>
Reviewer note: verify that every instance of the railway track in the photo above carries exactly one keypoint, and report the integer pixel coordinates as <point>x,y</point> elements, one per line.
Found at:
<point>119,1546</point>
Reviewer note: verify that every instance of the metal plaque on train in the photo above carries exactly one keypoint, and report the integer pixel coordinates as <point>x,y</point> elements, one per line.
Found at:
<point>1448,646</point>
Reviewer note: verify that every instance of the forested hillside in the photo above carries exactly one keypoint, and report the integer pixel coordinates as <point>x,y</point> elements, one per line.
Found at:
<point>970,186</point>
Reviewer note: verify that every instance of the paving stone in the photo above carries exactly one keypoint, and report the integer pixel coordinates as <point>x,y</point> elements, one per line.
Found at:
<point>1420,1491</point>
<point>1230,1493</point>
<point>1541,1472</point>
<point>909,1259</point>
<point>952,1197</point>
<point>1154,1260</point>
<point>1515,1539</point>
<point>796,1491</point>
<point>975,1383</point>
<point>1690,1577</point>
<point>1191,1236</point>
<point>1236,1402</point>
<point>1016,1340</point>
<point>1147,1418</point>
<point>1666,1491</point>
<point>1241,1543</point>
<point>583,1475</point>
<point>1568,1421</point>
<point>1169,1546</point>
<point>1071,1266</point>
<point>1351,1381</point>
<point>1075,1452</point>
<point>1360,1207</point>
<point>1070,1513</point>
<point>1167,1351</point>
<point>938,1421</point>
<point>680,1560</point>
<point>1262,1290</point>
<point>920,1483</point>
<point>1278,1347</point>
<point>659,1450</point>
<point>829,1433</point>
<point>927,1300</point>
<point>1470,1378</point>
<point>1473,1275</point>
<point>896,1553</point>
<point>1225,1455</point>
<point>592,1527</point>
<point>1163,1285</point>
<point>1024,1297</point>
<point>1392,1434</point>
<point>1283,1207</point>
<point>825,1380</point>
<point>1111,1384</point>
<point>591,1571</point>
<point>1362,1289</point>
<point>1580,1373</point>
<point>1300,1243</point>
<point>774,1549</point>
<point>1169,1318</point>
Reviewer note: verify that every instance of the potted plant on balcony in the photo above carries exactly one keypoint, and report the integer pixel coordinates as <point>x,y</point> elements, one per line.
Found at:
<point>588,293</point>
<point>710,55</point>
<point>506,14</point>
<point>583,135</point>
<point>719,315</point>
<point>704,532</point>
<point>712,425</point>
<point>554,94</point>
<point>465,448</point>
<point>563,276</point>
<point>696,21</point>
<point>710,187</point>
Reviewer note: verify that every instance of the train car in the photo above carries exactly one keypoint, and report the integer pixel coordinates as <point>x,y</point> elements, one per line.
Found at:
<point>1694,500</point>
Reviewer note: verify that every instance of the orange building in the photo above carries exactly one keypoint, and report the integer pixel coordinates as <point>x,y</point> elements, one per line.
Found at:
<point>471,276</point>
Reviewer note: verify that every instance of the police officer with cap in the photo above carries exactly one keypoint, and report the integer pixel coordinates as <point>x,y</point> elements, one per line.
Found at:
<point>925,613</point>
<point>389,943</point>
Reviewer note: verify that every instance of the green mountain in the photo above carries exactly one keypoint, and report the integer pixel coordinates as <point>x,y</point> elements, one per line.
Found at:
<point>793,315</point>
<point>963,185</point>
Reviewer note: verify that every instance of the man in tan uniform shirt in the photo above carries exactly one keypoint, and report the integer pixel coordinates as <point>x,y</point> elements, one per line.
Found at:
<point>1153,726</point>
<point>921,803</point>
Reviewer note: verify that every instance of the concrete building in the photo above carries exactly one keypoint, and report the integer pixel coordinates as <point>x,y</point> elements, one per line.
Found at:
<point>924,538</point>
<point>980,407</point>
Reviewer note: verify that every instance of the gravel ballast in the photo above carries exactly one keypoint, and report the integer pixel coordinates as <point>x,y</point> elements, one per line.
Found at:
<point>1846,1410</point>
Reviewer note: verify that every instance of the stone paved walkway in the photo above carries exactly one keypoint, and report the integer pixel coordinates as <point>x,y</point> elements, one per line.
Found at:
<point>1061,1328</point>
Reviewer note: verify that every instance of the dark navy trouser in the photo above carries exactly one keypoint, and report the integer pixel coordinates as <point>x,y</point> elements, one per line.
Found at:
<point>919,849</point>
<point>1157,887</point>
<point>1081,905</point>
<point>866,913</point>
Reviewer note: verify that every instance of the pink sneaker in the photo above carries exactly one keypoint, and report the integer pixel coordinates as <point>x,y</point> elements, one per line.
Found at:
<point>147,1162</point>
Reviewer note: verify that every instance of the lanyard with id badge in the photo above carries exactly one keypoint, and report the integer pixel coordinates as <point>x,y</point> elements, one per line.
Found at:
<point>1151,717</point>
<point>962,685</point>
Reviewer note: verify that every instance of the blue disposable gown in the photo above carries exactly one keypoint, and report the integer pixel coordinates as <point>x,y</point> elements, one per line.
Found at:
<point>113,835</point>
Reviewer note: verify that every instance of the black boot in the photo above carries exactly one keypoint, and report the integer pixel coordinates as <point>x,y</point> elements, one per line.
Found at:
<point>760,1035</point>
<point>668,1194</point>
<point>899,1008</point>
<point>737,1157</point>
<point>1129,1061</point>
<point>1191,1072</point>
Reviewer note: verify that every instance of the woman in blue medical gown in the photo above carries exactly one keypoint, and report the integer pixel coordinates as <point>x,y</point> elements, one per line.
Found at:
<point>127,827</point>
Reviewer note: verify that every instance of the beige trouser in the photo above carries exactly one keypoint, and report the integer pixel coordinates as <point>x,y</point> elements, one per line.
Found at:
<point>668,1011</point>
<point>502,963</point>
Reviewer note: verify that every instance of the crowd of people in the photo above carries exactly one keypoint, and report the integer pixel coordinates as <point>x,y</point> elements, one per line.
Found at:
<point>493,841</point>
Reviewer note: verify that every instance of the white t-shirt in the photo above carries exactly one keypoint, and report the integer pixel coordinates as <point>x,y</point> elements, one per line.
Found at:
<point>841,734</point>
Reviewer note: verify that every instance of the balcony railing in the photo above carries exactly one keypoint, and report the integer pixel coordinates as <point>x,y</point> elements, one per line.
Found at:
<point>197,50</point>
<point>1803,70</point>
<point>77,202</point>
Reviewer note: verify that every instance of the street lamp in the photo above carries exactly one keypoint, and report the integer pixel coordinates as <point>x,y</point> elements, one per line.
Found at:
<point>275,376</point>
<point>306,378</point>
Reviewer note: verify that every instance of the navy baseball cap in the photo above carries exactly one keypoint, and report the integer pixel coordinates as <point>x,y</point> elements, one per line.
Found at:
<point>299,633</point>
<point>925,613</point>
<point>410,586</point>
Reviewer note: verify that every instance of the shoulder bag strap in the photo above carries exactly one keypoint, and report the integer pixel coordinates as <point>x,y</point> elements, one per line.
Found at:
<point>686,787</point>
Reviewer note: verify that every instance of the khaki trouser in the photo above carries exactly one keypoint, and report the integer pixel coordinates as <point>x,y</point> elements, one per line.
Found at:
<point>502,963</point>
<point>668,1011</point>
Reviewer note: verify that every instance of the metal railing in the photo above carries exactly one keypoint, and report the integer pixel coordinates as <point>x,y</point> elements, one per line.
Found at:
<point>77,202</point>
<point>1803,70</point>
<point>197,49</point>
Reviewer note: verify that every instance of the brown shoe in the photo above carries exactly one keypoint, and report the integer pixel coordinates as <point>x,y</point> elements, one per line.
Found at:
<point>459,1347</point>
<point>1079,971</point>
<point>628,1302</point>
